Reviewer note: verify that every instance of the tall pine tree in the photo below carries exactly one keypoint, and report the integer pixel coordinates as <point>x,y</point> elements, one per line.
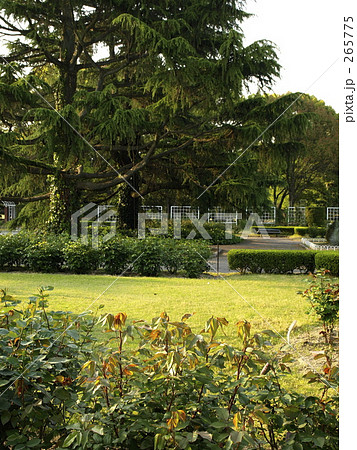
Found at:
<point>138,80</point>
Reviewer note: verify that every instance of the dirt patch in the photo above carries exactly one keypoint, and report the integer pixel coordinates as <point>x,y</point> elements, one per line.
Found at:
<point>309,343</point>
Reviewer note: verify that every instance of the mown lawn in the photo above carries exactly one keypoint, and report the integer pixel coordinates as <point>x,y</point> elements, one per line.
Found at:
<point>267,301</point>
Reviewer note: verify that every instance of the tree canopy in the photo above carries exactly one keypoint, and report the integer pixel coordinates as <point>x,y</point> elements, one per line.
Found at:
<point>139,81</point>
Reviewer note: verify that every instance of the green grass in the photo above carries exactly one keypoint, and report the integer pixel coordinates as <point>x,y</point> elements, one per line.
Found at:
<point>267,301</point>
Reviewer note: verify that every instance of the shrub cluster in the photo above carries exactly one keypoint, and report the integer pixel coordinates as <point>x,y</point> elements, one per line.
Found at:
<point>147,257</point>
<point>150,385</point>
<point>283,261</point>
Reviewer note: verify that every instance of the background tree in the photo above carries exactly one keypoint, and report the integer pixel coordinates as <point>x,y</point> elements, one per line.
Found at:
<point>302,166</point>
<point>140,81</point>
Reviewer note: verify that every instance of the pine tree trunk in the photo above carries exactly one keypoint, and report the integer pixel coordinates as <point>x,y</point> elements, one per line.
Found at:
<point>64,201</point>
<point>128,205</point>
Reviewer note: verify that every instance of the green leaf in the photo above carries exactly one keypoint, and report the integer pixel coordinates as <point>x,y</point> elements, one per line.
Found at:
<point>291,411</point>
<point>205,435</point>
<point>319,441</point>
<point>5,417</point>
<point>33,443</point>
<point>159,442</point>
<point>62,394</point>
<point>70,439</point>
<point>97,429</point>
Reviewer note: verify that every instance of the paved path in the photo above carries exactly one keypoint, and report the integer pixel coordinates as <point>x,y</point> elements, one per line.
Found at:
<point>258,243</point>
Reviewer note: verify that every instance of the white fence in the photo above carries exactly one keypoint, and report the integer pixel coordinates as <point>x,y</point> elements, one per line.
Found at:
<point>317,244</point>
<point>267,216</point>
<point>297,215</point>
<point>332,213</point>
<point>180,212</point>
<point>152,212</point>
<point>217,215</point>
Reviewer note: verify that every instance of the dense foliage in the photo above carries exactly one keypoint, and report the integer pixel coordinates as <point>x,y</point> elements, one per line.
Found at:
<point>328,260</point>
<point>141,82</point>
<point>150,385</point>
<point>271,261</point>
<point>146,257</point>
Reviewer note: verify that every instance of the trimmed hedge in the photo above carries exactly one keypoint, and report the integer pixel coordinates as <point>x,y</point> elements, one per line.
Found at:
<point>271,261</point>
<point>328,260</point>
<point>283,261</point>
<point>312,232</point>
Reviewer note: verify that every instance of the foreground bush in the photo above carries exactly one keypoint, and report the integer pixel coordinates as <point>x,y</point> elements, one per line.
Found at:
<point>169,389</point>
<point>328,260</point>
<point>271,261</point>
<point>323,297</point>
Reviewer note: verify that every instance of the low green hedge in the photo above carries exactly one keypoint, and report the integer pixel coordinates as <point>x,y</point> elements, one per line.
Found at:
<point>328,260</point>
<point>312,232</point>
<point>271,261</point>
<point>283,261</point>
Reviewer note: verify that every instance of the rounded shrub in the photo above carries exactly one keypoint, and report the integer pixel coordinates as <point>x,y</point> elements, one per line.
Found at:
<point>45,256</point>
<point>328,260</point>
<point>194,256</point>
<point>148,257</point>
<point>80,258</point>
<point>13,250</point>
<point>172,257</point>
<point>116,254</point>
